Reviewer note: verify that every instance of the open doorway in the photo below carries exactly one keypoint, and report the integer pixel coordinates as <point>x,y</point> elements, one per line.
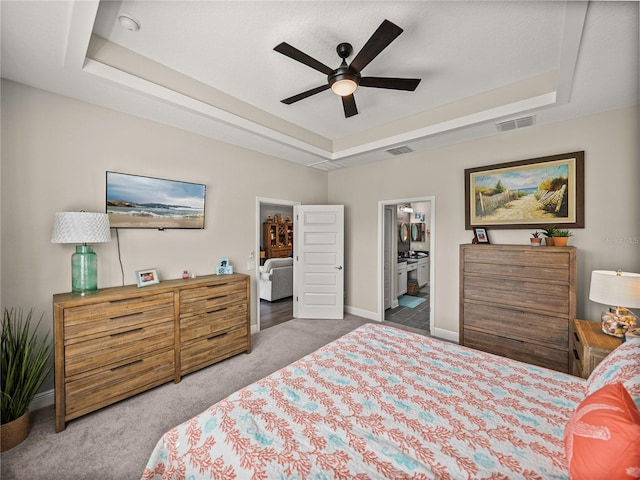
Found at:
<point>274,273</point>
<point>406,268</point>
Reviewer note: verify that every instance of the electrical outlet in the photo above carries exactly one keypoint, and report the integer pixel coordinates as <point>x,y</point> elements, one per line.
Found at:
<point>251,266</point>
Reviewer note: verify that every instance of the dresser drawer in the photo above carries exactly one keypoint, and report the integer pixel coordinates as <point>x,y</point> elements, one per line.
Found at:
<point>519,257</point>
<point>113,382</point>
<point>117,315</point>
<point>549,273</point>
<point>517,324</point>
<point>82,356</point>
<point>216,320</point>
<point>208,350</point>
<point>212,290</point>
<point>519,293</point>
<point>518,350</point>
<point>212,297</point>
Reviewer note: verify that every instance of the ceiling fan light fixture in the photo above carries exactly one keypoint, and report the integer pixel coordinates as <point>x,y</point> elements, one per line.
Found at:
<point>344,87</point>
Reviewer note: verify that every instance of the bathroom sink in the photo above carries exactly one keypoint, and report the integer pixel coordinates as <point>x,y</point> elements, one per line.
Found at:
<point>412,260</point>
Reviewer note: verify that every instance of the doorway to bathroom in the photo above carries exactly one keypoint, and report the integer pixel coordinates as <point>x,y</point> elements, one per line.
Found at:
<point>406,274</point>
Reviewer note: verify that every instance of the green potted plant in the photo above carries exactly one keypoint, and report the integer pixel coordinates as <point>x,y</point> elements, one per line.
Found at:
<point>24,360</point>
<point>536,239</point>
<point>561,237</point>
<point>548,233</point>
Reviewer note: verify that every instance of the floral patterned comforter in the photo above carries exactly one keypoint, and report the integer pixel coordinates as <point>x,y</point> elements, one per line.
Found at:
<point>381,403</point>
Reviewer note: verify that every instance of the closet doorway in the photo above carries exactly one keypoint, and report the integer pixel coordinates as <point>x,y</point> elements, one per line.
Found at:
<point>270,313</point>
<point>406,261</point>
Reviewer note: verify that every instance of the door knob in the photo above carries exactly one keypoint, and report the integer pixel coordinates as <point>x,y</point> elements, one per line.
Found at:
<point>339,267</point>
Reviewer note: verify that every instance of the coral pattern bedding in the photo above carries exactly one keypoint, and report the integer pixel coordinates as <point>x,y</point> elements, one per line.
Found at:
<point>382,403</point>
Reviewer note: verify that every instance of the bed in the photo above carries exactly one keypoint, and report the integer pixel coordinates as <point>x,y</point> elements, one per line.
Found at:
<point>381,402</point>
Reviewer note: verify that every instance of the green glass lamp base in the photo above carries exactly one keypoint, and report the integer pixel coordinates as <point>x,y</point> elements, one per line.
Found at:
<point>84,270</point>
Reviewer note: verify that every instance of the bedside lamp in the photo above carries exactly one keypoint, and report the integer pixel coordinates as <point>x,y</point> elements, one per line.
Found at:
<point>82,227</point>
<point>620,289</point>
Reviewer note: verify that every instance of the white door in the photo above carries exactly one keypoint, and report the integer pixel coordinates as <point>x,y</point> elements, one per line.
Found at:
<point>318,268</point>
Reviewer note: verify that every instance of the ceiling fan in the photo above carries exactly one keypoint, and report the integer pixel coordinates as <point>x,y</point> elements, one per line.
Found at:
<point>344,80</point>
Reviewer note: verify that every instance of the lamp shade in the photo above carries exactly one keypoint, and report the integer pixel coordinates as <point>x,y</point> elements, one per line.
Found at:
<point>621,289</point>
<point>81,227</point>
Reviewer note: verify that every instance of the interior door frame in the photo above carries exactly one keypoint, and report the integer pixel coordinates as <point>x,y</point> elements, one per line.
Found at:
<point>432,249</point>
<point>256,289</point>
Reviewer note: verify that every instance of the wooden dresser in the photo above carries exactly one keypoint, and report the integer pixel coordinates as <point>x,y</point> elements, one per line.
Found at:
<point>517,301</point>
<point>124,340</point>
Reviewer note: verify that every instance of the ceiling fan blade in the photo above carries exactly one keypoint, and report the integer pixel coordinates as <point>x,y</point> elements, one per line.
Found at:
<point>303,95</point>
<point>392,83</point>
<point>386,33</point>
<point>292,52</point>
<point>349,105</point>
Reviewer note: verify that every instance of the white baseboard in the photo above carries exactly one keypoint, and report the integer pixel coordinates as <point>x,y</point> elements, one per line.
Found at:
<point>446,334</point>
<point>362,313</point>
<point>43,399</point>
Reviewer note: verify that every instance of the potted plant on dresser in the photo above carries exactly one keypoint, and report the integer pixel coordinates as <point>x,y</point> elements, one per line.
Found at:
<point>24,365</point>
<point>548,233</point>
<point>536,239</point>
<point>561,237</point>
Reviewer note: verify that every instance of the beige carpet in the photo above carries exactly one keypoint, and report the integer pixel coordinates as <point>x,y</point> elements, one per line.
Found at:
<point>115,442</point>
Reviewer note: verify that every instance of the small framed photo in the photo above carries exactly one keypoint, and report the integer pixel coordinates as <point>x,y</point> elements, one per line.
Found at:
<point>224,267</point>
<point>480,235</point>
<point>147,277</point>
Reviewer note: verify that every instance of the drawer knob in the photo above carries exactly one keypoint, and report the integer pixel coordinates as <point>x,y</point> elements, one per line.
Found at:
<point>120,334</point>
<point>127,315</point>
<point>216,310</point>
<point>216,298</point>
<point>126,365</point>
<point>216,336</point>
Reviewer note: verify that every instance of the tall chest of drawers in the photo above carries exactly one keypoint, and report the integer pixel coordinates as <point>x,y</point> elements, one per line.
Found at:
<point>124,340</point>
<point>517,301</point>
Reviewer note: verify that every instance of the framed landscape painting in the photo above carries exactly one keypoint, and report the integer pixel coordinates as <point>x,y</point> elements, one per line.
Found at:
<point>534,193</point>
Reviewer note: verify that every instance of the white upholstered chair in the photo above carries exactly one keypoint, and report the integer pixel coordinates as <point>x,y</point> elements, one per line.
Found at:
<point>276,279</point>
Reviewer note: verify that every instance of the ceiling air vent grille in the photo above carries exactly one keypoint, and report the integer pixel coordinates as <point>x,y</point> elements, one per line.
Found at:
<point>516,123</point>
<point>399,150</point>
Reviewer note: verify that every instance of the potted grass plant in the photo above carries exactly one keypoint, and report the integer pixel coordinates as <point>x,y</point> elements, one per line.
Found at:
<point>24,365</point>
<point>561,237</point>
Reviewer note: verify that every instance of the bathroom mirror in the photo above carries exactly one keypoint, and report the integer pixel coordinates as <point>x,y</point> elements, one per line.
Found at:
<point>404,233</point>
<point>417,232</point>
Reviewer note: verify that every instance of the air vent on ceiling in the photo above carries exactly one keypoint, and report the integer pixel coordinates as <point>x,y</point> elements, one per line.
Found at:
<point>326,165</point>
<point>399,150</point>
<point>516,123</point>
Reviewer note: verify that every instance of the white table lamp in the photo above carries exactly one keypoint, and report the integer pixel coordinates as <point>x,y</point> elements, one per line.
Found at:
<point>621,290</point>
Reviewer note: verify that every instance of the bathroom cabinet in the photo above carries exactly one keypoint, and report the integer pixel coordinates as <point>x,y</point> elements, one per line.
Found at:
<point>401,287</point>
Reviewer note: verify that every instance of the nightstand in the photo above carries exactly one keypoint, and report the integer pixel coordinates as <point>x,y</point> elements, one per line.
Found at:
<point>589,346</point>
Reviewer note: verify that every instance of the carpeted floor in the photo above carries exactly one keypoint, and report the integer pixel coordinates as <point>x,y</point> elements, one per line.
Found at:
<point>115,442</point>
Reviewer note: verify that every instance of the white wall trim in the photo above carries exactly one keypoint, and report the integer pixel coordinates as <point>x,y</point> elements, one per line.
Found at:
<point>43,399</point>
<point>446,335</point>
<point>362,313</point>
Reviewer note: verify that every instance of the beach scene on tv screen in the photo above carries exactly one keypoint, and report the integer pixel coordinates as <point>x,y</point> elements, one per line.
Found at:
<point>135,201</point>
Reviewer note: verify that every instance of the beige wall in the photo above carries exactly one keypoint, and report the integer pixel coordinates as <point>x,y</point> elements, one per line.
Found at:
<point>610,239</point>
<point>55,152</point>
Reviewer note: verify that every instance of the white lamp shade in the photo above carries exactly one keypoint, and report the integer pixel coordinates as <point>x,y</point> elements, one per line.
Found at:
<point>81,227</point>
<point>609,288</point>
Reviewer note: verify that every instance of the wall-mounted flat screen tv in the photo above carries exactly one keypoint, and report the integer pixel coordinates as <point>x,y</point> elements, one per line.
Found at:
<point>135,201</point>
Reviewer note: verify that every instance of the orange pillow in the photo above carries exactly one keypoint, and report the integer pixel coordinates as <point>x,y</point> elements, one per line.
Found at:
<point>602,438</point>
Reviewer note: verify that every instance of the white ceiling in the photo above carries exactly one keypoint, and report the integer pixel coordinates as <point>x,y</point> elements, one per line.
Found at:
<point>209,67</point>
